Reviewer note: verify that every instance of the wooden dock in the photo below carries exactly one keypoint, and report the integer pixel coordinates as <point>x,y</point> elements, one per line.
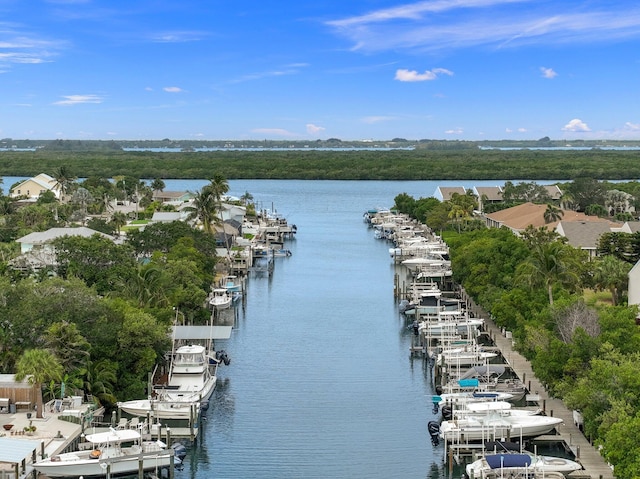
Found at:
<point>593,463</point>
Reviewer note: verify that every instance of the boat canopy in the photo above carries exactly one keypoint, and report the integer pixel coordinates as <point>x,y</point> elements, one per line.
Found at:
<point>202,332</point>
<point>498,461</point>
<point>114,435</point>
<point>492,369</point>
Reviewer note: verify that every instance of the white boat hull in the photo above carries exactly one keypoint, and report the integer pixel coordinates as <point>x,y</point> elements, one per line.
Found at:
<point>108,453</point>
<point>161,409</point>
<point>493,428</point>
<point>492,463</point>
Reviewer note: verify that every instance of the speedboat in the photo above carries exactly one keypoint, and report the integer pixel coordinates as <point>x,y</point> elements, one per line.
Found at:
<point>511,464</point>
<point>123,451</point>
<point>191,381</point>
<point>497,426</point>
<point>220,298</point>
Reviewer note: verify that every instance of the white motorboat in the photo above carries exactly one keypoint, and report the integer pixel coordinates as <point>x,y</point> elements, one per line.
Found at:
<point>511,464</point>
<point>122,451</point>
<point>191,380</point>
<point>450,323</point>
<point>496,426</point>
<point>466,397</point>
<point>220,298</point>
<point>465,356</point>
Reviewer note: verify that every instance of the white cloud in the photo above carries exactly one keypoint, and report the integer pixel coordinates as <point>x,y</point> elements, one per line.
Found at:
<point>455,131</point>
<point>173,89</point>
<point>632,126</point>
<point>548,72</point>
<point>576,125</point>
<point>79,99</point>
<point>314,129</point>
<point>405,75</point>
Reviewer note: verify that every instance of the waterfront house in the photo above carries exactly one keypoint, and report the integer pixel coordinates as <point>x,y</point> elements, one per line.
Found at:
<point>32,188</point>
<point>444,193</point>
<point>585,235</point>
<point>518,218</point>
<point>487,194</point>
<point>37,252</point>
<point>171,197</point>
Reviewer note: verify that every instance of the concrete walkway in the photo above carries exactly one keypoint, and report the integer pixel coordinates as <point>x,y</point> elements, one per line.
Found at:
<point>594,464</point>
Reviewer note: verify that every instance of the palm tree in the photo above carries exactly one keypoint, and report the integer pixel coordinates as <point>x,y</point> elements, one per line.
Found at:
<point>246,198</point>
<point>118,219</point>
<point>157,185</point>
<point>39,366</point>
<point>550,264</point>
<point>552,213</point>
<point>611,273</point>
<point>203,209</point>
<point>63,178</point>
<point>219,186</point>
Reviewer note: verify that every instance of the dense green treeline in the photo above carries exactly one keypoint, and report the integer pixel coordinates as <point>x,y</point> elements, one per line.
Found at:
<point>418,164</point>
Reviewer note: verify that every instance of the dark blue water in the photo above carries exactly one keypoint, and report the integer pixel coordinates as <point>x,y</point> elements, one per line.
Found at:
<point>321,383</point>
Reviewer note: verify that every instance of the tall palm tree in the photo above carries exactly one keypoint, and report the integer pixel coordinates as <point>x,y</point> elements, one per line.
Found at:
<point>63,178</point>
<point>552,213</point>
<point>39,366</point>
<point>550,264</point>
<point>203,209</point>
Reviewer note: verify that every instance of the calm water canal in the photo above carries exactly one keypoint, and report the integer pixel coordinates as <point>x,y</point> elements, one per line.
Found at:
<point>321,384</point>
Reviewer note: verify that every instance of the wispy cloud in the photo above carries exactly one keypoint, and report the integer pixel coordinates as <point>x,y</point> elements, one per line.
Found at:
<point>377,119</point>
<point>450,24</point>
<point>22,47</point>
<point>291,69</point>
<point>548,72</point>
<point>632,126</point>
<point>273,131</point>
<point>78,99</point>
<point>455,131</point>
<point>314,129</point>
<point>183,36</point>
<point>405,75</point>
<point>576,125</point>
<point>173,89</point>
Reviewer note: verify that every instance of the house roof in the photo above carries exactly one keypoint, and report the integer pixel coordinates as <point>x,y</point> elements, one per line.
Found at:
<point>583,234</point>
<point>169,195</point>
<point>42,237</point>
<point>446,192</point>
<point>529,214</point>
<point>634,226</point>
<point>493,193</point>
<point>166,216</point>
<point>43,180</point>
<point>554,191</point>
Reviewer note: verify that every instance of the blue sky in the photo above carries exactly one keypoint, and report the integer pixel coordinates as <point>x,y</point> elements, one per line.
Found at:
<point>355,70</point>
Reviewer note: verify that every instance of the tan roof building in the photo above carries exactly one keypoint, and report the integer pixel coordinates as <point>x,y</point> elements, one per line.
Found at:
<point>444,193</point>
<point>584,234</point>
<point>519,217</point>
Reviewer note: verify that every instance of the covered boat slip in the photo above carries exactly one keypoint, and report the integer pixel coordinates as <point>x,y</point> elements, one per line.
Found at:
<point>15,454</point>
<point>201,333</point>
